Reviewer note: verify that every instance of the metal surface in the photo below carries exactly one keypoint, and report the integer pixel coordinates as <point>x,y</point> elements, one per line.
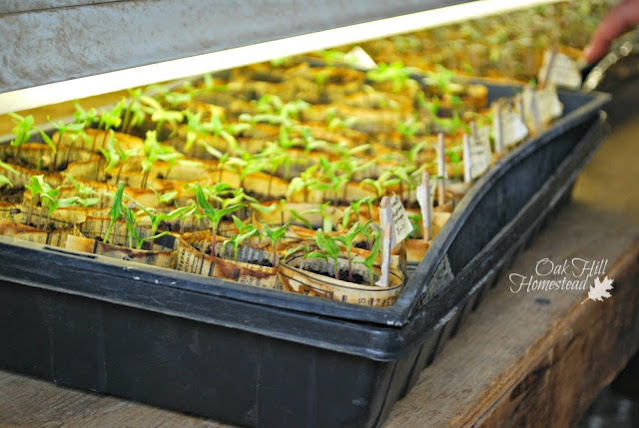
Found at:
<point>70,42</point>
<point>63,53</point>
<point>16,6</point>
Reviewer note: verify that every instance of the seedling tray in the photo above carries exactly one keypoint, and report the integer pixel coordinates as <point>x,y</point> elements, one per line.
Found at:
<point>260,357</point>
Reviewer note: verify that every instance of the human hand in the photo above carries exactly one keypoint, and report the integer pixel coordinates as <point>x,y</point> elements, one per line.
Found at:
<point>620,18</point>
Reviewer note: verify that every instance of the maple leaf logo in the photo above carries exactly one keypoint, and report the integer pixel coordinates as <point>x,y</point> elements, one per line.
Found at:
<point>600,290</point>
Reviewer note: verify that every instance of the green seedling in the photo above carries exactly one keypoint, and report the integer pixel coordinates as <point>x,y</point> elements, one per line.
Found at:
<point>369,261</point>
<point>110,119</point>
<point>336,180</point>
<point>134,114</point>
<point>329,250</point>
<point>111,155</point>
<point>310,143</point>
<point>154,151</point>
<point>85,117</point>
<point>51,200</point>
<point>87,196</point>
<point>300,217</point>
<point>244,168</point>
<point>409,128</point>
<point>3,178</point>
<point>75,129</point>
<point>214,215</point>
<point>245,231</point>
<point>194,130</point>
<point>275,234</point>
<point>22,131</point>
<point>124,155</point>
<point>396,73</point>
<point>185,215</point>
<point>347,241</point>
<point>161,116</point>
<point>332,56</point>
<point>443,79</point>
<point>176,99</point>
<point>157,217</point>
<point>35,187</point>
<point>116,211</point>
<point>303,182</point>
<point>131,221</point>
<point>415,221</point>
<point>377,185</point>
<point>353,208</point>
<point>274,157</point>
<point>291,251</point>
<point>256,205</point>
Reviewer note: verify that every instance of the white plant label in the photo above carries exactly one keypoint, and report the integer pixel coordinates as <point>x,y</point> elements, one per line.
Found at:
<point>559,69</point>
<point>498,128</point>
<point>530,108</point>
<point>386,219</point>
<point>480,152</point>
<point>548,104</point>
<point>359,58</point>
<point>513,128</point>
<point>401,221</point>
<point>386,250</point>
<point>467,162</point>
<point>425,199</point>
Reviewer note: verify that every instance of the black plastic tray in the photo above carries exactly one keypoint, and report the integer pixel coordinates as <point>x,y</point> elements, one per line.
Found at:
<point>260,357</point>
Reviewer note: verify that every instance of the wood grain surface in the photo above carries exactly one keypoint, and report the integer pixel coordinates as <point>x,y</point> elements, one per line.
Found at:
<point>521,359</point>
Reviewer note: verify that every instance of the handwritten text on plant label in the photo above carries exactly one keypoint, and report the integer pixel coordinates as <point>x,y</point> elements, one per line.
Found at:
<point>480,152</point>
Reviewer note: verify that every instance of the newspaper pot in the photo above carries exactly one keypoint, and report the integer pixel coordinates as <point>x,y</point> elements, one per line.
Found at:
<point>193,261</point>
<point>56,238</point>
<point>315,277</point>
<point>164,253</point>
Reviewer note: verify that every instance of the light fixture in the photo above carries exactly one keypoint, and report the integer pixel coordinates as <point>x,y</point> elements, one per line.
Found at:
<point>139,76</point>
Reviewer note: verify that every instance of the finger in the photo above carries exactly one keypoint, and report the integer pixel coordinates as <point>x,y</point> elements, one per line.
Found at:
<point>619,19</point>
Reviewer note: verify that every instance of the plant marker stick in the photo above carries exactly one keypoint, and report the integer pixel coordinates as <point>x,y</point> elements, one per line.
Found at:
<point>441,169</point>
<point>534,109</point>
<point>423,198</point>
<point>549,69</point>
<point>386,253</point>
<point>468,164</point>
<point>499,129</point>
<point>386,217</point>
<point>519,103</point>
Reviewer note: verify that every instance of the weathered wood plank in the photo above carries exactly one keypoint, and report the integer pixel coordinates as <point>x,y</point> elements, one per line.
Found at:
<point>544,354</point>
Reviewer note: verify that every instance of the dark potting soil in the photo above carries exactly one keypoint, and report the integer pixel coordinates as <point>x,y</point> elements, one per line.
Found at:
<point>343,274</point>
<point>12,195</point>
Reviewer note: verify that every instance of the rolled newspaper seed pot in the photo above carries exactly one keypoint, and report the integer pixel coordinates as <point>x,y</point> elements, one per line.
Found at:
<point>21,176</point>
<point>56,238</point>
<point>61,218</point>
<point>191,260</point>
<point>303,276</point>
<point>415,251</point>
<point>162,255</point>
